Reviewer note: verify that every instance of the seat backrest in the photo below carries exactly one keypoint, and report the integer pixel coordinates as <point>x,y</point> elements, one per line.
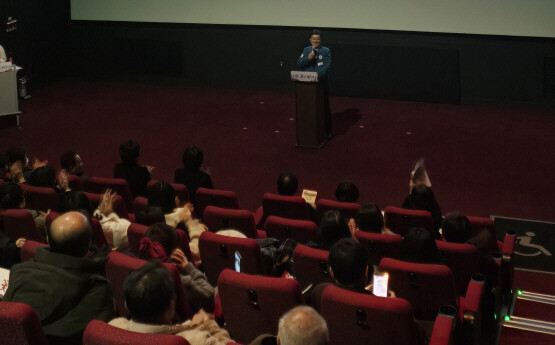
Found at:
<point>464,261</point>
<point>99,185</point>
<point>217,218</point>
<point>348,209</point>
<point>19,324</point>
<point>180,190</point>
<point>379,245</point>
<point>119,205</point>
<point>18,223</point>
<point>101,333</point>
<point>217,253</point>
<point>40,198</point>
<point>400,220</point>
<point>292,207</point>
<point>74,182</point>
<point>29,248</point>
<point>356,318</point>
<point>426,286</point>
<point>140,203</point>
<point>118,268</point>
<point>214,197</point>
<point>252,305</point>
<point>301,231</point>
<point>311,266</point>
<point>478,224</point>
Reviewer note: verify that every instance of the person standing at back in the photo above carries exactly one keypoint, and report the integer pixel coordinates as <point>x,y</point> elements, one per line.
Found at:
<point>136,175</point>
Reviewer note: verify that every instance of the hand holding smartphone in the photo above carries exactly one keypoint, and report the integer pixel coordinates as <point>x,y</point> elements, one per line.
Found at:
<point>379,284</point>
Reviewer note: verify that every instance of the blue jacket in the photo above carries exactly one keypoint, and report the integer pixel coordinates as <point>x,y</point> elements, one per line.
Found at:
<point>321,62</point>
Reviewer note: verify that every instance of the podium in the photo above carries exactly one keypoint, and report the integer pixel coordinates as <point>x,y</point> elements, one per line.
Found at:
<point>9,104</point>
<point>310,99</point>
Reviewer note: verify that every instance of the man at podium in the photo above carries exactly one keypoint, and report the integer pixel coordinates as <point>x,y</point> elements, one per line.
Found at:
<point>317,58</point>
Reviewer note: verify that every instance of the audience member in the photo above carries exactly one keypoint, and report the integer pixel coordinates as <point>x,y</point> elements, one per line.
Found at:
<point>72,164</point>
<point>150,299</point>
<point>369,219</point>
<point>160,242</point>
<point>301,325</point>
<point>137,176</point>
<point>191,175</point>
<point>9,250</point>
<point>332,228</point>
<point>346,191</point>
<point>421,197</point>
<point>63,286</point>
<point>114,227</point>
<point>149,216</point>
<point>288,185</point>
<point>457,228</point>
<point>12,197</point>
<point>419,246</point>
<point>162,195</point>
<point>19,166</point>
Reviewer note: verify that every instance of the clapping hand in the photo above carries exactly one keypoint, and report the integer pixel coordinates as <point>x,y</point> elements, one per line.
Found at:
<point>106,205</point>
<point>179,258</point>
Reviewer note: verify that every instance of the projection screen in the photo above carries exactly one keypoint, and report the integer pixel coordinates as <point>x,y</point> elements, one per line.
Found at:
<point>534,18</point>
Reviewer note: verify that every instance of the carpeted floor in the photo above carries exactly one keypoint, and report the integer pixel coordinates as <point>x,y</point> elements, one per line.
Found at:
<point>481,161</point>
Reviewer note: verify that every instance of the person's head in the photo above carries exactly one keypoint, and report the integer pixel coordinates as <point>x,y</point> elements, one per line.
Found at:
<point>302,325</point>
<point>346,191</point>
<point>11,196</point>
<point>129,152</point>
<point>287,183</point>
<point>72,163</point>
<point>348,261</point>
<point>370,218</point>
<point>162,194</point>
<point>150,294</point>
<point>422,198</point>
<point>16,154</point>
<point>193,158</point>
<point>332,228</point>
<point>75,200</point>
<point>163,234</point>
<point>456,228</point>
<point>150,215</point>
<point>315,38</point>
<point>43,177</point>
<point>419,246</point>
<point>70,234</point>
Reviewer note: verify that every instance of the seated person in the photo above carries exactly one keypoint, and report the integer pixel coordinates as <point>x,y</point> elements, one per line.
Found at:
<point>9,250</point>
<point>114,227</point>
<point>419,246</point>
<point>348,267</point>
<point>456,228</point>
<point>11,197</point>
<point>369,219</point>
<point>150,215</point>
<point>422,198</point>
<point>72,164</point>
<point>19,167</point>
<point>160,242</point>
<point>288,185</point>
<point>150,299</point>
<point>137,176</point>
<point>332,228</point>
<point>346,191</point>
<point>64,287</point>
<point>191,175</point>
<point>162,195</point>
<point>301,325</point>
<point>46,177</point>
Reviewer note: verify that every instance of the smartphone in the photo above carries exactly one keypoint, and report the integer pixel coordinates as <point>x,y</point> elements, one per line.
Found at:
<point>237,262</point>
<point>379,285</point>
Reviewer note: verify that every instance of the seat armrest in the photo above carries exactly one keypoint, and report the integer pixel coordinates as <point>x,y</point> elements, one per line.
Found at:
<point>443,329</point>
<point>258,217</point>
<point>474,293</point>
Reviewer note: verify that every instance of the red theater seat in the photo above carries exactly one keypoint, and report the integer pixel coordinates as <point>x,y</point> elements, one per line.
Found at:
<point>101,333</point>
<point>301,231</point>
<point>19,324</point>
<point>400,220</point>
<point>348,209</point>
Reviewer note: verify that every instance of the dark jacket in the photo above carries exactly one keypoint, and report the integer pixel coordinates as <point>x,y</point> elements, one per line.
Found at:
<point>66,292</point>
<point>137,177</point>
<point>193,179</point>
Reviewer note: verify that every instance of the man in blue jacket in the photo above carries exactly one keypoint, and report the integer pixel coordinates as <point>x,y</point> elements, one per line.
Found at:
<point>317,58</point>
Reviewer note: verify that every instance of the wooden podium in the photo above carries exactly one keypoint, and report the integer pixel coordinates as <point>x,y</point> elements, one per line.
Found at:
<point>311,110</point>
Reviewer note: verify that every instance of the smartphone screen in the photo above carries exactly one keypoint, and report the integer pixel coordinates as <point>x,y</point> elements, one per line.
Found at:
<point>237,262</point>
<point>379,286</point>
